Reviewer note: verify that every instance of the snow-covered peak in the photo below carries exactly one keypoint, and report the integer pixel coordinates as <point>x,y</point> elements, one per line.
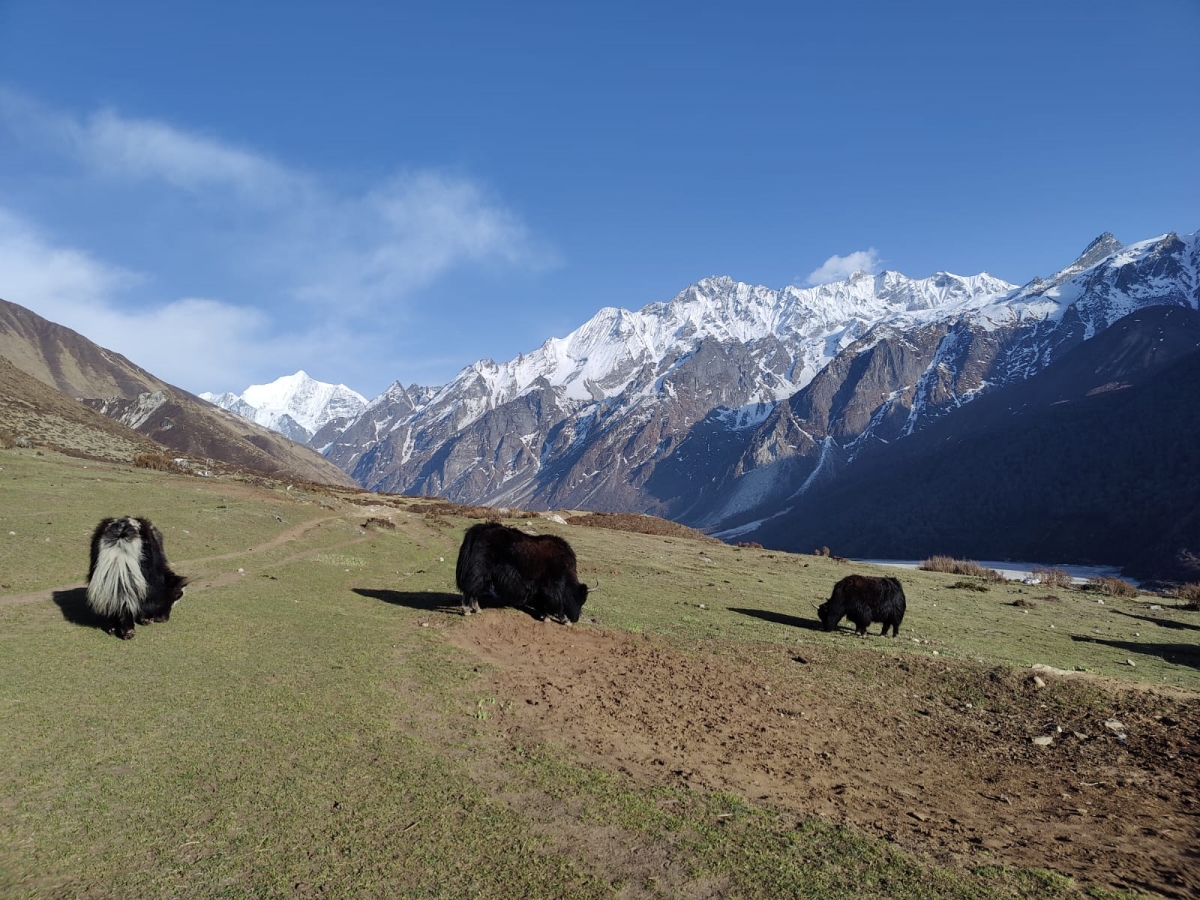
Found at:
<point>309,403</point>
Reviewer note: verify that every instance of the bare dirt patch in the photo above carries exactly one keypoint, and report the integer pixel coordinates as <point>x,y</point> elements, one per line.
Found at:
<point>936,755</point>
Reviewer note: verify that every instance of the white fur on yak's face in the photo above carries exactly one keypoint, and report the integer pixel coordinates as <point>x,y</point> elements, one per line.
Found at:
<point>118,584</point>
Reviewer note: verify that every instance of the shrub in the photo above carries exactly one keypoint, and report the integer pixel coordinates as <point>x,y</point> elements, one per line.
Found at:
<point>161,462</point>
<point>952,566</point>
<point>1052,576</point>
<point>1112,587</point>
<point>970,585</point>
<point>1190,594</point>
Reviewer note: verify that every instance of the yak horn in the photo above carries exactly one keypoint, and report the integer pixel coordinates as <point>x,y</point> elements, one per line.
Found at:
<point>814,606</point>
<point>592,590</point>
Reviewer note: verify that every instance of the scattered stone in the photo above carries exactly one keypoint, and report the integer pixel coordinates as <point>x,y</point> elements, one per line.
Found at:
<point>1130,663</point>
<point>241,571</point>
<point>1038,682</point>
<point>1155,606</point>
<point>1079,735</point>
<point>1042,741</point>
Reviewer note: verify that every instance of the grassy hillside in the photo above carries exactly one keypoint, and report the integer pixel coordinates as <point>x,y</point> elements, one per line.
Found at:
<point>317,718</point>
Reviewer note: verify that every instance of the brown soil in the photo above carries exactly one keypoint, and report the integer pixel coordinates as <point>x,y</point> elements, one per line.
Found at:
<point>935,755</point>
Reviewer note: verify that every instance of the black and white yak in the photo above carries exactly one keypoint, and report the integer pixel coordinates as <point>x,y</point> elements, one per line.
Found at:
<point>865,599</point>
<point>535,571</point>
<point>129,579</point>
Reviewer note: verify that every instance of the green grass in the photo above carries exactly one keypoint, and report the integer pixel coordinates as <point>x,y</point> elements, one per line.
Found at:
<point>301,727</point>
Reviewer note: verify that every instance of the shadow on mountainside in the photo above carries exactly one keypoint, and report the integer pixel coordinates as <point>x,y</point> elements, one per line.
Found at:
<point>1161,623</point>
<point>1176,654</point>
<point>75,609</point>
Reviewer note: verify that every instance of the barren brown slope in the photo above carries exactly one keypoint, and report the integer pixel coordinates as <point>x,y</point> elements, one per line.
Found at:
<point>42,415</point>
<point>111,384</point>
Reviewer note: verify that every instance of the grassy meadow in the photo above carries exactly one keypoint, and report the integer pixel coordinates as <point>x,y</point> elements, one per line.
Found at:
<point>303,727</point>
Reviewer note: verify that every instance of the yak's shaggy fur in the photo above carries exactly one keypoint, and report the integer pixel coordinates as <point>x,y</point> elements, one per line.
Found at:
<point>865,599</point>
<point>535,571</point>
<point>129,579</point>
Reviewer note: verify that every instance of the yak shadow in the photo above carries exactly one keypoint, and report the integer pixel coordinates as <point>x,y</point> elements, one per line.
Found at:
<point>429,601</point>
<point>75,609</point>
<point>434,601</point>
<point>1162,623</point>
<point>779,618</point>
<point>1176,654</point>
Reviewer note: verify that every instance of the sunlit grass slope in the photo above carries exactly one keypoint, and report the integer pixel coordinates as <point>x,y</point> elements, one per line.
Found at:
<point>302,728</point>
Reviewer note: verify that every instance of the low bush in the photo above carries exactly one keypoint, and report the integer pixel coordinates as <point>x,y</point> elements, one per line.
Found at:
<point>161,462</point>
<point>952,566</point>
<point>1111,587</point>
<point>1052,576</point>
<point>970,585</point>
<point>1190,594</point>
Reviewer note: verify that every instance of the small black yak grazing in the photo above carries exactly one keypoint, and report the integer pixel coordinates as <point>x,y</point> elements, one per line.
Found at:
<point>865,599</point>
<point>129,579</point>
<point>536,571</point>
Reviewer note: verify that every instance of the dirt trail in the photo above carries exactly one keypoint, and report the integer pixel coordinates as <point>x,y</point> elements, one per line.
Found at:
<point>202,582</point>
<point>935,755</point>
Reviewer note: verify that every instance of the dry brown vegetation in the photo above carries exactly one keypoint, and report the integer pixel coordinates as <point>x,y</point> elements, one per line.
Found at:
<point>640,524</point>
<point>1111,587</point>
<point>952,566</point>
<point>1052,576</point>
<point>1190,594</point>
<point>160,462</point>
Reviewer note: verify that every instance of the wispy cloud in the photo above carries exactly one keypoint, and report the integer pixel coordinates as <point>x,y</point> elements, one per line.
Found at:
<point>293,253</point>
<point>183,341</point>
<point>839,268</point>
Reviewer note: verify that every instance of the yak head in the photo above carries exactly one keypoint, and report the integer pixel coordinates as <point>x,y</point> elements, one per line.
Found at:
<point>573,607</point>
<point>826,616</point>
<point>126,528</point>
<point>566,605</point>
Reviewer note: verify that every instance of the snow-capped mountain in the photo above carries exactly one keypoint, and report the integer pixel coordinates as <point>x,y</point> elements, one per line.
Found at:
<point>729,395</point>
<point>725,405</point>
<point>296,406</point>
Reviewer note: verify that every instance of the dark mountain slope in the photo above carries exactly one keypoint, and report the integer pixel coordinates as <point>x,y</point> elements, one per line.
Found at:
<point>1095,460</point>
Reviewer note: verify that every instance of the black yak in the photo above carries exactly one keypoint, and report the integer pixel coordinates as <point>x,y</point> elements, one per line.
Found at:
<point>865,599</point>
<point>129,579</point>
<point>535,571</point>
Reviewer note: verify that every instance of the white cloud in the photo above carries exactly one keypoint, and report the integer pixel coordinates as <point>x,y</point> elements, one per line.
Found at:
<point>145,149</point>
<point>189,342</point>
<point>56,278</point>
<point>839,268</point>
<point>297,269</point>
<point>349,250</point>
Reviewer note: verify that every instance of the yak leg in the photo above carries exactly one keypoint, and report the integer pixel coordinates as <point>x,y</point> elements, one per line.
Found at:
<point>122,625</point>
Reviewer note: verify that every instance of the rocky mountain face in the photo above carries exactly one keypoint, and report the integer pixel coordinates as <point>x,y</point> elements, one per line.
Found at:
<point>585,421</point>
<point>727,404</point>
<point>1096,459</point>
<point>109,383</point>
<point>893,383</point>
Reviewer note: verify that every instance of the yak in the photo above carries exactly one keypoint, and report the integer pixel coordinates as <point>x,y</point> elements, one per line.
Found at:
<point>129,579</point>
<point>534,571</point>
<point>865,599</point>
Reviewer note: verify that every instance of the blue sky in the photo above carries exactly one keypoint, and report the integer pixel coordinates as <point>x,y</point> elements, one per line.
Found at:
<point>229,192</point>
